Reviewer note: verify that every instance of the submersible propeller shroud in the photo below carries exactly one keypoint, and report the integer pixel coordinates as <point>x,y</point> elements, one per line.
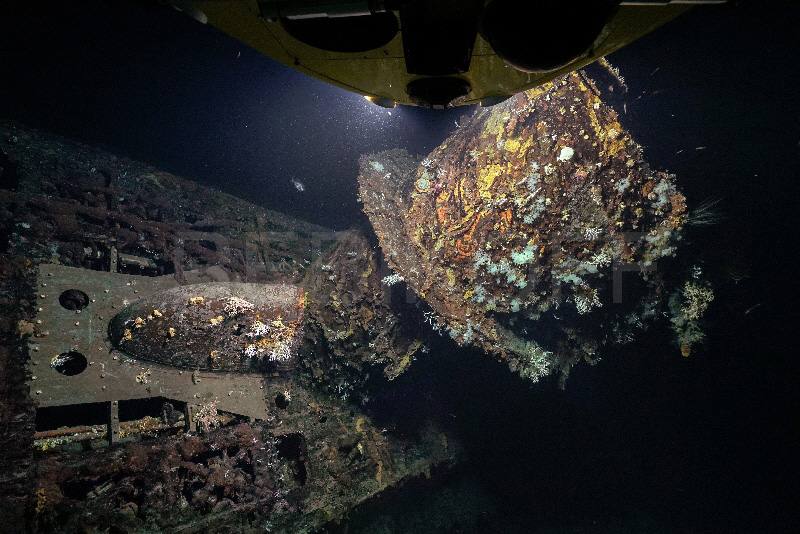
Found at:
<point>438,54</point>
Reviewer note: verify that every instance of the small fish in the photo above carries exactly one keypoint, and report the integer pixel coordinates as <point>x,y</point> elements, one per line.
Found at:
<point>300,186</point>
<point>701,148</point>
<point>191,10</point>
<point>751,308</point>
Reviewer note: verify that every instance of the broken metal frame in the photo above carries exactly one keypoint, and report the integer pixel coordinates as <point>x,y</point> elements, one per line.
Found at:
<point>110,375</point>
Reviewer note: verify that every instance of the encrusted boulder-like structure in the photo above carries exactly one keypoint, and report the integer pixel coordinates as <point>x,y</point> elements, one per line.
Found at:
<point>510,229</point>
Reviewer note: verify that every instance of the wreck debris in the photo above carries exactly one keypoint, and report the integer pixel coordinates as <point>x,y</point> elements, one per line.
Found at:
<point>349,309</point>
<point>511,228</point>
<point>125,235</point>
<point>234,468</point>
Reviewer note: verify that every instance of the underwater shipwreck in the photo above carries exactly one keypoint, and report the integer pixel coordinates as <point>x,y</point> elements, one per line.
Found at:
<point>178,358</point>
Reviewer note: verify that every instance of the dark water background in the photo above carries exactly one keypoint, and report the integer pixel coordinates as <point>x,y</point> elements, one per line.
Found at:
<point>644,442</point>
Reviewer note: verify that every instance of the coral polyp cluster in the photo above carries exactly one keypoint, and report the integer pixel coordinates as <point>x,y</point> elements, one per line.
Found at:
<point>518,219</point>
<point>273,341</point>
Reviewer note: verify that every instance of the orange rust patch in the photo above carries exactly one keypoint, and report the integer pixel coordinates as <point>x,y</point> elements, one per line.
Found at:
<point>647,188</point>
<point>505,220</point>
<point>465,248</point>
<point>678,213</point>
<point>441,214</point>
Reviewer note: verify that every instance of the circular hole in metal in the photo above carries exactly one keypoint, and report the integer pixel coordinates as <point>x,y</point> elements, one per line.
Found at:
<point>281,401</point>
<point>344,34</point>
<point>70,363</point>
<point>73,299</point>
